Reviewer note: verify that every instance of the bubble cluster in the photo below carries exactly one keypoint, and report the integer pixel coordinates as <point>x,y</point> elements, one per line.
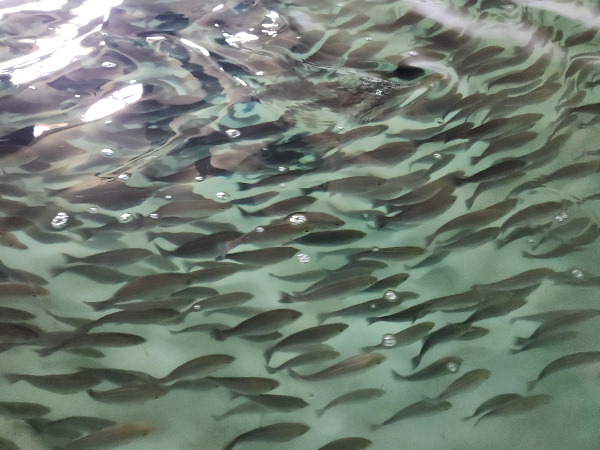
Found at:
<point>60,220</point>
<point>577,274</point>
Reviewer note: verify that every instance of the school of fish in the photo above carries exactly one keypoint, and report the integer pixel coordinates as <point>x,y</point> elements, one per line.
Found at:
<point>329,225</point>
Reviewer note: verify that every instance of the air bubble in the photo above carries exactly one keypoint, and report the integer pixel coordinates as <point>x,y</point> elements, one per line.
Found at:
<point>93,209</point>
<point>303,258</point>
<point>437,155</point>
<point>577,274</point>
<point>233,133</point>
<point>452,367</point>
<point>109,65</point>
<point>222,195</point>
<point>107,151</point>
<point>388,340</point>
<point>282,185</point>
<point>124,176</point>
<point>125,217</point>
<point>259,229</point>
<point>375,249</point>
<point>60,220</point>
<point>390,296</point>
<point>199,178</point>
<point>413,53</point>
<point>153,216</point>
<point>260,73</point>
<point>168,197</point>
<point>298,219</point>
<point>561,217</point>
<point>439,120</point>
<point>282,169</point>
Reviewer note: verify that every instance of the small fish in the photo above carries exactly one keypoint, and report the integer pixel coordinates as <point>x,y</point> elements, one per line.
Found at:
<point>447,333</point>
<point>389,253</point>
<point>304,359</point>
<point>245,385</point>
<point>506,143</point>
<point>404,337</point>
<point>261,324</point>
<point>279,403</point>
<point>335,290</point>
<point>492,403</point>
<point>75,340</point>
<point>417,409</point>
<point>391,282</point>
<point>244,408</point>
<point>372,306</point>
<point>17,332</point>
<point>528,278</point>
<point>263,256</point>
<point>6,444</point>
<point>468,381</point>
<point>118,257</point>
<point>12,314</point>
<point>357,396</point>
<point>495,309</point>
<point>144,316</point>
<point>330,238</point>
<point>128,394</point>
<point>441,367</point>
<point>23,410</point>
<point>279,432</point>
<point>537,214</point>
<point>104,275</point>
<point>206,246</point>
<point>8,289</point>
<point>347,443</point>
<point>282,207</point>
<point>352,185</point>
<point>471,240</point>
<point>348,366</point>
<point>566,362</point>
<point>419,212</point>
<point>219,302</point>
<point>198,367</point>
<point>61,384</point>
<point>560,322</point>
<point>310,335</point>
<point>517,406</point>
<point>111,436</point>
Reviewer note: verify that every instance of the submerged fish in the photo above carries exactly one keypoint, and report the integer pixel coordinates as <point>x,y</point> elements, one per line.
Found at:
<point>110,436</point>
<point>348,366</point>
<point>279,432</point>
<point>417,409</point>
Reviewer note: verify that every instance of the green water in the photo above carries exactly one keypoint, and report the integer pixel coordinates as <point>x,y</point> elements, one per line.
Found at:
<point>110,111</point>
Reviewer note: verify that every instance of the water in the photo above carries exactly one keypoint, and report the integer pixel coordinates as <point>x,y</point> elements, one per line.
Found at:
<point>320,135</point>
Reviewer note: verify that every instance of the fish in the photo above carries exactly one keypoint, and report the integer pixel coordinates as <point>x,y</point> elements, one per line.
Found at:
<point>104,275</point>
<point>243,408</point>
<point>76,340</point>
<point>206,246</point>
<point>391,282</point>
<point>117,257</point>
<point>441,367</point>
<point>304,359</point>
<point>129,394</point>
<point>347,443</point>
<point>492,403</point>
<point>23,410</point>
<point>282,207</point>
<point>566,362</point>
<point>468,381</point>
<point>330,238</point>
<point>279,403</point>
<point>375,305</point>
<point>219,302</point>
<point>419,212</point>
<point>319,333</point>
<point>346,367</point>
<point>110,436</point>
<point>143,316</point>
<point>17,332</point>
<point>278,432</point>
<point>528,278</point>
<point>389,253</point>
<point>334,290</point>
<point>517,406</point>
<point>9,289</point>
<point>263,256</point>
<point>355,185</point>
<point>245,385</point>
<point>198,367</point>
<point>560,322</point>
<point>537,214</point>
<point>543,340</point>
<point>357,396</point>
<point>61,384</point>
<point>403,337</point>
<point>13,314</point>
<point>475,219</point>
<point>447,333</point>
<point>495,308</point>
<point>417,409</point>
<point>261,324</point>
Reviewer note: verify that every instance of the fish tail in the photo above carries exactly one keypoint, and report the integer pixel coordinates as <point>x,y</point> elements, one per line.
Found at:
<point>244,212</point>
<point>307,191</point>
<point>70,259</point>
<point>320,411</point>
<point>372,320</point>
<point>217,418</point>
<point>532,384</point>
<point>469,202</point>
<point>285,297</point>
<point>244,186</point>
<point>476,159</point>
<point>270,370</point>
<point>163,252</point>
<point>521,341</point>
<point>514,351</point>
<point>13,377</point>
<point>294,375</point>
<point>217,334</point>
<point>99,306</point>
<point>85,233</point>
<point>416,361</point>
<point>375,426</point>
<point>468,417</point>
<point>397,376</point>
<point>322,317</point>
<point>268,354</point>
<point>526,254</point>
<point>381,221</point>
<point>56,271</point>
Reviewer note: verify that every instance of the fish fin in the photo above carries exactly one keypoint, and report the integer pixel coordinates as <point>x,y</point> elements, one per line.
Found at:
<point>308,191</point>
<point>46,351</point>
<point>234,395</point>
<point>13,377</point>
<point>285,297</point>
<point>56,271</point>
